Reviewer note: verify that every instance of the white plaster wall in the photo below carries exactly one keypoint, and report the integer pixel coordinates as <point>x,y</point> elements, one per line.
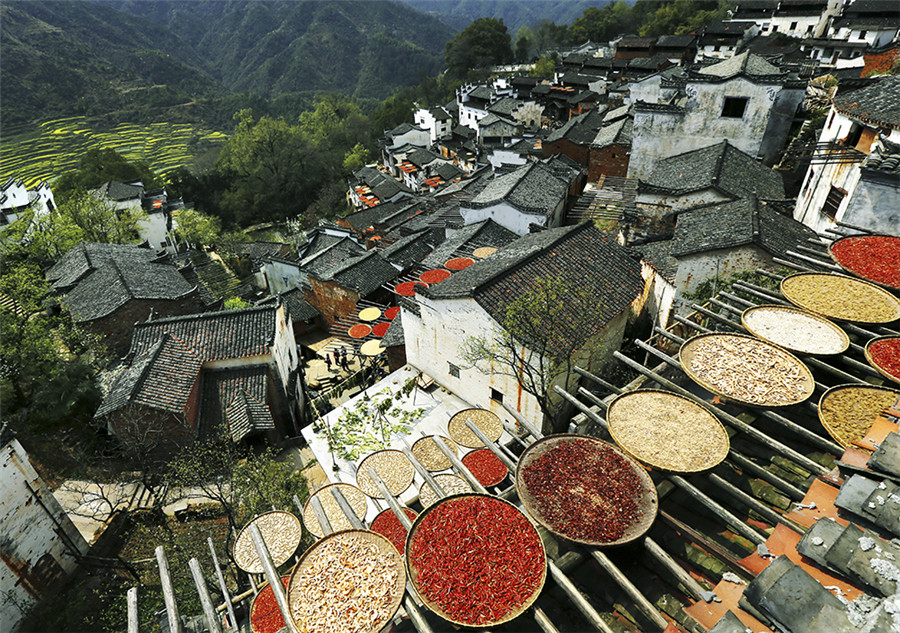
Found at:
<point>284,346</point>
<point>686,201</point>
<point>152,227</point>
<point>504,214</point>
<point>805,25</point>
<point>30,535</point>
<point>659,294</point>
<point>874,205</point>
<point>277,272</point>
<point>875,39</point>
<point>499,157</point>
<point>694,269</point>
<point>419,137</point>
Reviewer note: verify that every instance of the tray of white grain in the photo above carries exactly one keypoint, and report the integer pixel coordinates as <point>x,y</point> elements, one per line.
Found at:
<point>848,411</point>
<point>451,485</point>
<point>349,582</point>
<point>281,532</point>
<point>333,512</point>
<point>841,297</point>
<point>667,431</point>
<point>487,422</point>
<point>430,456</point>
<point>795,330</point>
<point>392,466</point>
<point>747,370</point>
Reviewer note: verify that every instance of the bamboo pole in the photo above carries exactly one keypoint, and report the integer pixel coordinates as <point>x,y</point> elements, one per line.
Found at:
<point>133,621</point>
<point>223,587</point>
<point>172,613</point>
<point>212,622</point>
<point>272,575</point>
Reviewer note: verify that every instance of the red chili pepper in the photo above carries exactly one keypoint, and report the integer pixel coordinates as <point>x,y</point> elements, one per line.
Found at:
<point>387,524</point>
<point>585,492</point>
<point>886,354</point>
<point>477,559</point>
<point>265,617</point>
<point>487,467</point>
<point>875,257</point>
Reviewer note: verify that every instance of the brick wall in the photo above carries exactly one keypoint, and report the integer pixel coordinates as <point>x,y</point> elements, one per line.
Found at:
<point>611,160</point>
<point>331,300</point>
<point>578,153</point>
<point>116,328</point>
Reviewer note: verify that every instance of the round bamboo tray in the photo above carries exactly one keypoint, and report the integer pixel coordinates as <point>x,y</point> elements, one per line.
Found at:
<point>648,503</point>
<point>875,365</point>
<point>430,456</point>
<point>851,238</point>
<point>413,572</point>
<point>452,484</point>
<point>487,421</point>
<point>336,516</point>
<point>667,431</point>
<point>736,369</point>
<point>841,297</point>
<point>839,339</point>
<point>848,422</point>
<point>392,466</point>
<point>385,547</point>
<point>258,619</point>
<point>281,532</point>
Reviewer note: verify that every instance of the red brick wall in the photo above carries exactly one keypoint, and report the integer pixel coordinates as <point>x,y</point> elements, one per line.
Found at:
<point>331,300</point>
<point>192,408</point>
<point>116,328</point>
<point>396,357</point>
<point>611,160</point>
<point>578,153</point>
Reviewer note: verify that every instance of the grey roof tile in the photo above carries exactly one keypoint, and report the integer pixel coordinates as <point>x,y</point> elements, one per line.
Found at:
<point>409,250</point>
<point>394,335</point>
<point>877,103</point>
<point>484,233</point>
<point>744,64</point>
<point>659,255</point>
<point>234,400</point>
<point>532,188</point>
<point>616,133</point>
<point>363,273</point>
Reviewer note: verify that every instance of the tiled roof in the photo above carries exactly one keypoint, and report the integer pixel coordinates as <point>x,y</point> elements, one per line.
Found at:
<point>493,119</point>
<point>592,261</point>
<point>118,191</point>
<point>100,278</point>
<point>744,64</point>
<point>736,223</point>
<point>481,92</point>
<point>506,106</point>
<point>636,42</point>
<point>258,251</point>
<point>617,133</point>
<point>659,255</point>
<point>299,309</point>
<point>363,273</point>
<point>615,115</point>
<point>235,399</point>
<point>675,41</point>
<point>408,250</point>
<point>160,378</point>
<point>422,157</point>
<point>878,103</point>
<point>532,188</point>
<point>580,129</point>
<point>394,335</point>
<point>883,162</point>
<point>213,335</point>
<point>403,128</point>
<point>868,22</point>
<point>484,233</point>
<point>722,167</point>
<point>319,241</point>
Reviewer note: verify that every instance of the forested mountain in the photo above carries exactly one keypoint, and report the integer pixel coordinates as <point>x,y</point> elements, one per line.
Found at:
<point>514,13</point>
<point>143,58</point>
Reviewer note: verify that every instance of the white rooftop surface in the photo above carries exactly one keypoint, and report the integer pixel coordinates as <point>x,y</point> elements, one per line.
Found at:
<point>439,405</point>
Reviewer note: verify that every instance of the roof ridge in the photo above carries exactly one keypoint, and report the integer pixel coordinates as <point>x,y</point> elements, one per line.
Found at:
<point>203,315</point>
<point>152,354</point>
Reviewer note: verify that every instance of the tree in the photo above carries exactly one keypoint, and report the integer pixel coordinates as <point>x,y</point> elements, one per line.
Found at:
<point>545,332</point>
<point>601,25</point>
<point>98,166</point>
<point>485,42</point>
<point>548,36</point>
<point>543,67</point>
<point>524,44</point>
<point>197,229</point>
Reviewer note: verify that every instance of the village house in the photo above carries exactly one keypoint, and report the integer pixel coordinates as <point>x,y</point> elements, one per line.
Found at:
<point>304,318</point>
<point>610,150</point>
<point>334,290</point>
<point>157,225</point>
<point>15,198</point>
<point>794,18</point>
<point>529,195</point>
<point>109,287</point>
<point>198,375</point>
<point>437,121</point>
<point>860,120</point>
<point>370,186</point>
<point>723,39</point>
<point>718,173</point>
<point>574,137</point>
<point>39,545</point>
<point>473,303</point>
<point>745,100</point>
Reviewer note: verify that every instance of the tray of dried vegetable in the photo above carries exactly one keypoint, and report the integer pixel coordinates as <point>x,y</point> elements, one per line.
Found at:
<point>746,370</point>
<point>667,431</point>
<point>265,616</point>
<point>487,422</point>
<point>883,353</point>
<point>430,456</point>
<point>795,330</point>
<point>841,297</point>
<point>392,466</point>
<point>475,560</point>
<point>336,516</point>
<point>875,258</point>
<point>281,532</point>
<point>451,484</point>
<point>586,490</point>
<point>349,582</point>
<point>848,411</point>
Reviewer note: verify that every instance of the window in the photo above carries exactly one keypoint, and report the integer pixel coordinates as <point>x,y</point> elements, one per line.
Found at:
<point>809,28</point>
<point>862,35</point>
<point>733,107</point>
<point>833,201</point>
<point>716,48</point>
<point>496,396</point>
<point>793,26</point>
<point>775,28</point>
<point>454,370</point>
<point>854,135</point>
<point>830,120</point>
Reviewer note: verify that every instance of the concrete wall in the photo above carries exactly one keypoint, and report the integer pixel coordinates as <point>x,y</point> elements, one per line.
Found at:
<point>39,545</point>
<point>767,115</point>
<point>694,269</point>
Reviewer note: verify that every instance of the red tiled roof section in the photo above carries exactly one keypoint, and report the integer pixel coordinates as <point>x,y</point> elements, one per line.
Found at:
<point>880,62</point>
<point>170,376</point>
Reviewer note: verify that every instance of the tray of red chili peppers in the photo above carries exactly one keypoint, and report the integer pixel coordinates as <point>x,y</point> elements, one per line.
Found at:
<point>388,525</point>
<point>873,257</point>
<point>485,466</point>
<point>475,560</point>
<point>586,490</point>
<point>883,353</point>
<point>265,616</point>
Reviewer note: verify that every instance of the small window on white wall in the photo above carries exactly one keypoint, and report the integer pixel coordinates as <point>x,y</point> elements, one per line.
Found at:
<point>496,396</point>
<point>454,370</point>
<point>734,107</point>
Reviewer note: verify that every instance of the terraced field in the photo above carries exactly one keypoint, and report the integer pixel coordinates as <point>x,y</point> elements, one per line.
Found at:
<point>58,145</point>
